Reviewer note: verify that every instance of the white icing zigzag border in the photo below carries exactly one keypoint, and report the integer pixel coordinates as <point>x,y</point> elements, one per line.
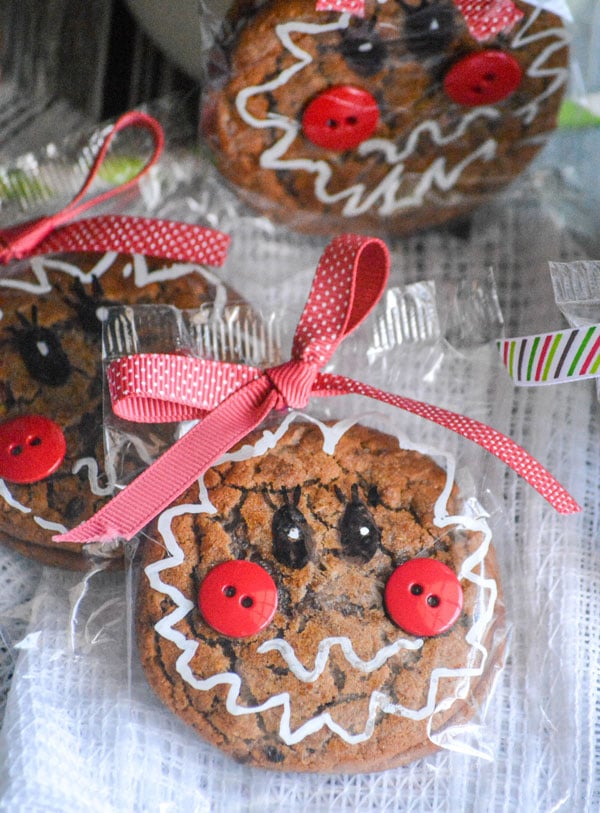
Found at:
<point>358,200</point>
<point>165,627</point>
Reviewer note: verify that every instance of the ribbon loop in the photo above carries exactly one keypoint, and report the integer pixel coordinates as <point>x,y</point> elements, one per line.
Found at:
<point>350,279</point>
<point>61,232</point>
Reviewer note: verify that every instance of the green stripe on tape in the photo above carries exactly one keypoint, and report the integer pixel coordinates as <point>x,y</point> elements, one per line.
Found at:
<point>511,359</point>
<point>579,353</point>
<point>534,347</point>
<point>556,341</point>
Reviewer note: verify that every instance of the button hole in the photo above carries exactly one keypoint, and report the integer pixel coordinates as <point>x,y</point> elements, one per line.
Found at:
<point>416,589</point>
<point>433,601</point>
<point>15,450</point>
<point>490,77</point>
<point>34,441</point>
<point>246,601</point>
<point>351,120</point>
<point>229,591</point>
<point>332,124</point>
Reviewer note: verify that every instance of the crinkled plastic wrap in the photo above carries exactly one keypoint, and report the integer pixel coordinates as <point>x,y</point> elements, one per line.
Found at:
<point>577,292</point>
<point>408,117</point>
<point>326,529</point>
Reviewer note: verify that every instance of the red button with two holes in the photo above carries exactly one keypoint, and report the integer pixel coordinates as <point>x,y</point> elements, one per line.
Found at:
<point>32,447</point>
<point>423,597</point>
<point>340,118</point>
<point>482,78</point>
<point>238,598</point>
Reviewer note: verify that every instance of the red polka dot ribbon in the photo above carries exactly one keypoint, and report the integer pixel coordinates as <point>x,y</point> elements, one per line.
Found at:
<point>485,18</point>
<point>233,399</point>
<point>64,232</point>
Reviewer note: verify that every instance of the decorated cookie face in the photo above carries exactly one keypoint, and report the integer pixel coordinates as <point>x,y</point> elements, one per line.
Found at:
<point>312,605</point>
<point>393,122</point>
<point>52,469</point>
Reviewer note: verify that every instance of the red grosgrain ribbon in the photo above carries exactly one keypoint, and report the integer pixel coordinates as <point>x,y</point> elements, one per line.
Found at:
<point>62,232</point>
<point>233,399</point>
<point>485,18</point>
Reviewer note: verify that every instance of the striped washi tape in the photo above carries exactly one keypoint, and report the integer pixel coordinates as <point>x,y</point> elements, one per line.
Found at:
<point>551,358</point>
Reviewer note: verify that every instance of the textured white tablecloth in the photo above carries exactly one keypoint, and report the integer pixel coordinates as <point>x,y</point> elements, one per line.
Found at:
<point>80,733</point>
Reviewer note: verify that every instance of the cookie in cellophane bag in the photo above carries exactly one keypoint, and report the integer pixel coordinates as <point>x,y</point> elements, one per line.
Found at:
<point>321,600</point>
<point>404,118</point>
<point>53,470</point>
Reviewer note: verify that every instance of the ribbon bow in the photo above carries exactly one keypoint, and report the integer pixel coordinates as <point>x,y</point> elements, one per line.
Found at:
<point>233,399</point>
<point>484,18</point>
<point>63,232</point>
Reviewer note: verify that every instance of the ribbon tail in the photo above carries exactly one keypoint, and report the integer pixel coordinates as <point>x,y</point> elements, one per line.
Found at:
<point>493,441</point>
<point>179,467</point>
<point>183,242</point>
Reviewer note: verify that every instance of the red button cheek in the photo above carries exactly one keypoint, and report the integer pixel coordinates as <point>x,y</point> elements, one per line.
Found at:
<point>423,597</point>
<point>32,447</point>
<point>238,598</point>
<point>482,78</point>
<point>340,118</point>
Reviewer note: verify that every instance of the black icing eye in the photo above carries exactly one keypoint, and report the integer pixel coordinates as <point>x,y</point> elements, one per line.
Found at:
<point>87,305</point>
<point>359,535</point>
<point>429,30</point>
<point>292,540</point>
<point>363,49</point>
<point>41,351</point>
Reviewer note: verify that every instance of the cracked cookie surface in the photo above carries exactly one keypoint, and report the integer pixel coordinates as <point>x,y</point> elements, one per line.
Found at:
<point>332,683</point>
<point>432,155</point>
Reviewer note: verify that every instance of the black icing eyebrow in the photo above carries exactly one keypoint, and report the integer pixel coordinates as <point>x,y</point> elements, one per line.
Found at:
<point>293,544</point>
<point>373,497</point>
<point>359,535</point>
<point>428,29</point>
<point>86,304</point>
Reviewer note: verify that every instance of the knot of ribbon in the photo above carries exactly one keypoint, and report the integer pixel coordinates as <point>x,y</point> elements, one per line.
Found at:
<point>64,231</point>
<point>294,382</point>
<point>233,399</point>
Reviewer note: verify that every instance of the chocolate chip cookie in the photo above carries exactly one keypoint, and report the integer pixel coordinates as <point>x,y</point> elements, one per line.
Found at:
<point>52,469</point>
<point>387,124</point>
<point>318,602</point>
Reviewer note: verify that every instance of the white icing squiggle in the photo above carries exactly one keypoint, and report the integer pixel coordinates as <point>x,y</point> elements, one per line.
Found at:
<point>55,527</point>
<point>10,500</point>
<point>142,275</point>
<point>286,651</point>
<point>385,198</point>
<point>91,464</point>
<point>378,702</point>
<point>560,75</point>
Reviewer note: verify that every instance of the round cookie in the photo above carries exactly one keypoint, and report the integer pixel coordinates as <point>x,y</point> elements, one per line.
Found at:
<point>388,124</point>
<point>314,605</point>
<point>51,389</point>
